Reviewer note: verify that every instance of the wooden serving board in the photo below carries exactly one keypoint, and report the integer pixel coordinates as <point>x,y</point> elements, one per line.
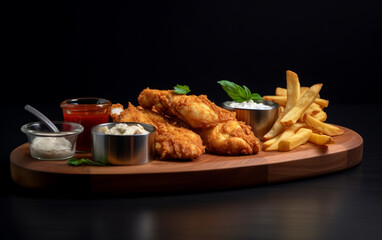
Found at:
<point>208,172</point>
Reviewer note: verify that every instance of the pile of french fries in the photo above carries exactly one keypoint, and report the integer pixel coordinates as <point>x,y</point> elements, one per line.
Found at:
<point>301,117</point>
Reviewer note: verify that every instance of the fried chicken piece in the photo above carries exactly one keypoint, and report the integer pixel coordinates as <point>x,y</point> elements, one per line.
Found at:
<point>197,111</point>
<point>230,138</point>
<point>173,141</point>
<point>218,127</point>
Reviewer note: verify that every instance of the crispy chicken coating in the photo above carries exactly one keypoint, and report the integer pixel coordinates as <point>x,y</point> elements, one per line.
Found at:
<point>218,127</point>
<point>173,139</point>
<point>197,111</point>
<point>230,138</point>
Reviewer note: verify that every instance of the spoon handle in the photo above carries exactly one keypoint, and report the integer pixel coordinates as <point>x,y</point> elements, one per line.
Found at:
<point>42,117</point>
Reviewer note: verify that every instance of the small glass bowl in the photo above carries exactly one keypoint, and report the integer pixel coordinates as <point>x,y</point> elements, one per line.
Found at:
<point>47,145</point>
<point>88,112</point>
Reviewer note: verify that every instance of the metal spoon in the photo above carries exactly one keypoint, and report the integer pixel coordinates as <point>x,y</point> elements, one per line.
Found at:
<point>42,117</point>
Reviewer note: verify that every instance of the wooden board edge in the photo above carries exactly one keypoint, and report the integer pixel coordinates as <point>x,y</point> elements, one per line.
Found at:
<point>355,156</point>
<point>48,181</point>
<point>225,178</point>
<point>179,182</point>
<point>315,166</point>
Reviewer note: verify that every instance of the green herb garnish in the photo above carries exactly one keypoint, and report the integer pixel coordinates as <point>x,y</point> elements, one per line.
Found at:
<point>238,93</point>
<point>84,161</point>
<point>181,89</point>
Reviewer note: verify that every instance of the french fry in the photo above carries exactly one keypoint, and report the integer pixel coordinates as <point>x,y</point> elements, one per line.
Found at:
<point>281,110</point>
<point>283,92</point>
<point>300,107</point>
<point>280,100</point>
<point>303,90</point>
<point>320,139</point>
<point>293,89</point>
<point>322,102</point>
<point>322,127</point>
<point>281,97</point>
<point>301,117</point>
<point>293,92</point>
<point>275,130</point>
<point>269,142</point>
<point>301,137</point>
<point>285,134</point>
<point>321,116</point>
<point>312,109</point>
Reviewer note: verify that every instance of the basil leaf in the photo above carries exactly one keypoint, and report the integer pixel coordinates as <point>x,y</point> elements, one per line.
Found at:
<point>181,89</point>
<point>84,161</point>
<point>256,97</point>
<point>238,93</point>
<point>74,162</point>
<point>247,92</point>
<point>234,91</point>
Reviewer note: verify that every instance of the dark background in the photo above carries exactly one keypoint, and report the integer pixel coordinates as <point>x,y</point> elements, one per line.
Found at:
<point>114,49</point>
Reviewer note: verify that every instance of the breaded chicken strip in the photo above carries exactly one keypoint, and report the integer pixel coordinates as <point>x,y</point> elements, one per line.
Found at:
<point>172,140</point>
<point>230,138</point>
<point>219,129</point>
<point>197,111</point>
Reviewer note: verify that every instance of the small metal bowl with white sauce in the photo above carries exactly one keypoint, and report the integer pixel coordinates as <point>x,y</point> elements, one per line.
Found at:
<point>47,145</point>
<point>117,146</point>
<point>260,115</point>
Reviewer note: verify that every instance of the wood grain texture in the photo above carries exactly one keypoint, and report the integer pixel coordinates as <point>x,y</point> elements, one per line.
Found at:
<point>208,172</point>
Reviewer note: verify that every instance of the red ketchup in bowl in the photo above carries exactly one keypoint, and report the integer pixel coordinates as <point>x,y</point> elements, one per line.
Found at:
<point>88,112</point>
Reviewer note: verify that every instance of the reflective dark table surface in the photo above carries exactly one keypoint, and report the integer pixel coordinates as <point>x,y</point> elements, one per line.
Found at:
<point>343,205</point>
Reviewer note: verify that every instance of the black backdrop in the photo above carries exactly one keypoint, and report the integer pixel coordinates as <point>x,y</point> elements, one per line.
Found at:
<point>115,49</point>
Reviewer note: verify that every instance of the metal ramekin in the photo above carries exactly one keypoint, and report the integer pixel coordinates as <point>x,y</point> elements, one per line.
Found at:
<point>260,120</point>
<point>123,149</point>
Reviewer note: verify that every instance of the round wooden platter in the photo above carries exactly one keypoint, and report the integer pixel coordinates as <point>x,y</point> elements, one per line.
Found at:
<point>208,172</point>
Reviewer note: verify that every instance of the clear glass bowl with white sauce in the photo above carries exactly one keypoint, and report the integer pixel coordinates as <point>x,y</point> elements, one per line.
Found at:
<point>47,145</point>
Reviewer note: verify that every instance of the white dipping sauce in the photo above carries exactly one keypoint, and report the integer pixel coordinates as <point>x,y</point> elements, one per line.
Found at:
<point>116,111</point>
<point>124,129</point>
<point>249,105</point>
<point>51,148</point>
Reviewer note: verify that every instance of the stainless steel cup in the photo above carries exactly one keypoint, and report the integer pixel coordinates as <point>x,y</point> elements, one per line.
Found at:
<point>123,149</point>
<point>260,120</point>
